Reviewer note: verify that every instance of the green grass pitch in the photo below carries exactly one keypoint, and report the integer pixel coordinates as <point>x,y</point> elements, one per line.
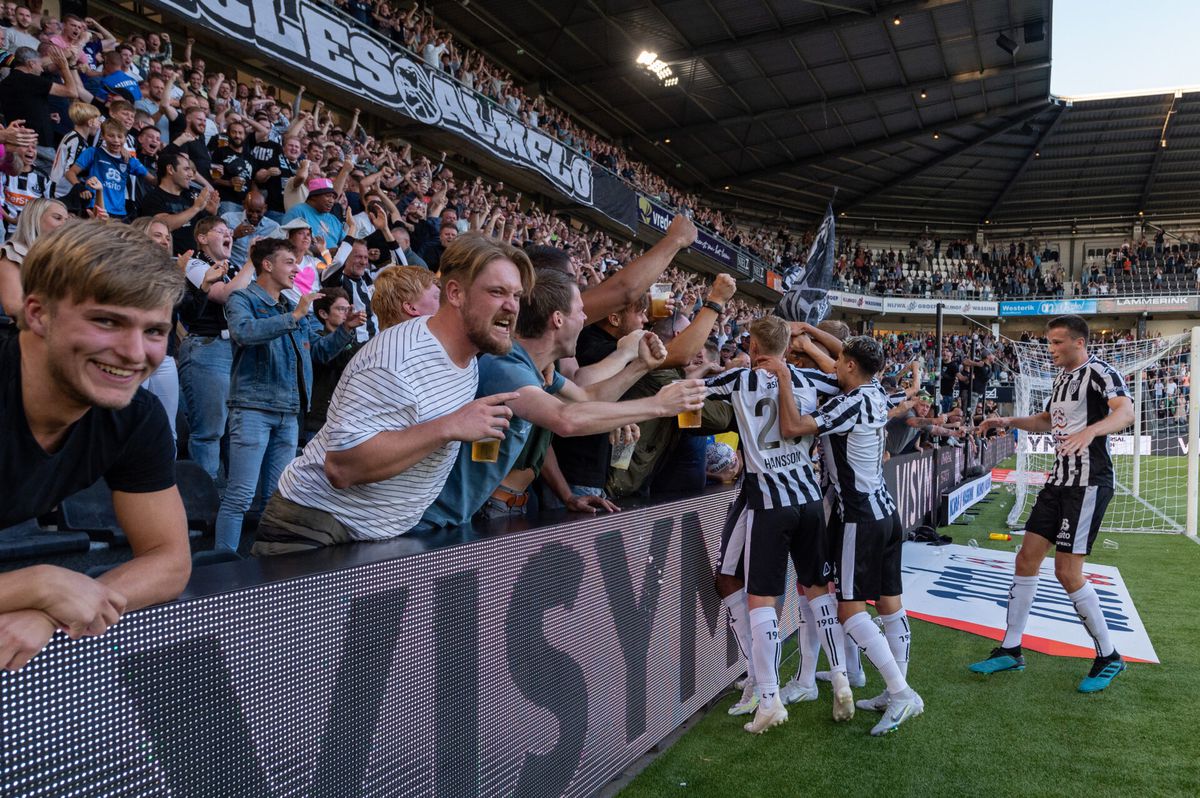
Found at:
<point>1010,734</point>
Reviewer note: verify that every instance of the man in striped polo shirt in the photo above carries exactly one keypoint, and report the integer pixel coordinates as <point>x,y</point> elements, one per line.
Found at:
<point>1088,402</point>
<point>401,409</point>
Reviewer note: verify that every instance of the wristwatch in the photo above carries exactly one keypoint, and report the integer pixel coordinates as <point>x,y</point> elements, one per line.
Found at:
<point>713,306</point>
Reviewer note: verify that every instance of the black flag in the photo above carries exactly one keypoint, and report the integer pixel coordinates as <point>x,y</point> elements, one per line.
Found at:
<point>806,286</point>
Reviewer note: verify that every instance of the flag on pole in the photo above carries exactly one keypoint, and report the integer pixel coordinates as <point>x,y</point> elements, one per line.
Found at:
<point>806,285</point>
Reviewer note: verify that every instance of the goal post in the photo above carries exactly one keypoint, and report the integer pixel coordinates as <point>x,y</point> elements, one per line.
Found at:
<point>1156,470</point>
<point>1193,452</point>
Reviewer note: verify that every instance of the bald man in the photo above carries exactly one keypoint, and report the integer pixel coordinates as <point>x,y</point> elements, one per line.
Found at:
<point>249,223</point>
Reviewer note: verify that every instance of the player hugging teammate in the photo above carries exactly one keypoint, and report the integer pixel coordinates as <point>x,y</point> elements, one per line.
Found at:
<point>779,513</point>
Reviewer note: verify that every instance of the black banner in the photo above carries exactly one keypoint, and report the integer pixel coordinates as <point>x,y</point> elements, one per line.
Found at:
<point>319,41</point>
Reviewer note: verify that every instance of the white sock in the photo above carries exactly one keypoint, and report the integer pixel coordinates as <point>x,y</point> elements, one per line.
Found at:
<point>739,621</point>
<point>899,637</point>
<point>866,635</point>
<point>764,631</point>
<point>808,642</point>
<point>851,659</point>
<point>1087,607</point>
<point>1020,599</point>
<point>830,633</point>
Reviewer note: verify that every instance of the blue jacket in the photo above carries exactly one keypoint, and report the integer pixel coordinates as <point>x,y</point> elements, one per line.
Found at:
<point>266,337</point>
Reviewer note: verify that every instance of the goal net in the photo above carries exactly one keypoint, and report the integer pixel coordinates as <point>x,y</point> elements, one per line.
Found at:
<point>1149,458</point>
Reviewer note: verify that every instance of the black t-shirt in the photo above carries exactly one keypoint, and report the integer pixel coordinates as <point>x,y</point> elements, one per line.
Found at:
<point>159,201</point>
<point>950,376</point>
<point>197,152</point>
<point>130,448</point>
<point>25,96</point>
<point>979,378</point>
<point>584,460</point>
<point>233,164</point>
<point>267,155</point>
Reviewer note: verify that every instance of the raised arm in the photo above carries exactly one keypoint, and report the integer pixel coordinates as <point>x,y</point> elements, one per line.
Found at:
<point>627,285</point>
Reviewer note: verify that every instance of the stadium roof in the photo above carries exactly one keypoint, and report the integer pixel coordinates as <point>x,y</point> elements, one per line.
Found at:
<point>783,100</point>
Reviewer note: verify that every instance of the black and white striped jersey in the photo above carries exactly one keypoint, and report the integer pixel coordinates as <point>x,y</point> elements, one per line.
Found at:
<point>779,471</point>
<point>852,426</point>
<point>1078,399</point>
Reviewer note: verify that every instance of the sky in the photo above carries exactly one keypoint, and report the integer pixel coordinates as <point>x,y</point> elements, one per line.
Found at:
<point>1123,47</point>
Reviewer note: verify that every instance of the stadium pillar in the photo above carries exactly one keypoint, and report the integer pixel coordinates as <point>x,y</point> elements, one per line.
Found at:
<point>1193,454</point>
<point>937,361</point>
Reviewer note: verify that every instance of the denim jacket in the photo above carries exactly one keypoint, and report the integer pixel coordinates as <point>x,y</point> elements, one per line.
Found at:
<point>266,337</point>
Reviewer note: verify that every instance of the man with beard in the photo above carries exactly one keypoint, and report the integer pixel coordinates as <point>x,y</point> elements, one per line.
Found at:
<point>95,322</point>
<point>232,169</point>
<point>404,405</point>
<point>551,317</point>
<point>191,142</point>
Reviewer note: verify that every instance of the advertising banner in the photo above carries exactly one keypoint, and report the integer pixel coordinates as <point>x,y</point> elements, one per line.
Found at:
<point>537,663</point>
<point>319,42</point>
<point>1158,304</point>
<point>962,498</point>
<point>653,215</point>
<point>1048,307</point>
<point>967,588</point>
<point>961,307</point>
<point>843,299</point>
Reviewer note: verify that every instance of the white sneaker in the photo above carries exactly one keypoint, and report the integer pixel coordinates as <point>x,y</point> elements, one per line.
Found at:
<point>880,702</point>
<point>877,704</point>
<point>900,708</point>
<point>747,703</point>
<point>859,680</point>
<point>740,684</point>
<point>843,698</point>
<point>770,713</point>
<point>793,691</point>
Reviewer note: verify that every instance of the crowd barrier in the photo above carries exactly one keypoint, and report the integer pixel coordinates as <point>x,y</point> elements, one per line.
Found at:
<point>510,660</point>
<point>536,662</point>
<point>918,480</point>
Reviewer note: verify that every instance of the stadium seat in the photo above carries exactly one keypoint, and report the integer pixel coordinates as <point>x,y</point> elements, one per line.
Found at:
<point>91,511</point>
<point>200,497</point>
<point>27,540</point>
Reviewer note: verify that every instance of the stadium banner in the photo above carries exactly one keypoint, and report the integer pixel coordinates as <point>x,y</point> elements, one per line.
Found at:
<point>318,41</point>
<point>1049,307</point>
<point>536,663</point>
<point>949,467</point>
<point>1134,304</point>
<point>965,496</point>
<point>962,307</point>
<point>653,215</point>
<point>1043,443</point>
<point>843,299</point>
<point>967,588</point>
<point>910,479</point>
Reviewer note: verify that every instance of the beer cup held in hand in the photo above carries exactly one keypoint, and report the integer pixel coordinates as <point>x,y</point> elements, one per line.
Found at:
<point>486,450</point>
